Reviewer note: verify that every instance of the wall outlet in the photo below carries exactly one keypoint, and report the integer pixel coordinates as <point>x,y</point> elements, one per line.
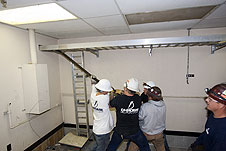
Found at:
<point>9,148</point>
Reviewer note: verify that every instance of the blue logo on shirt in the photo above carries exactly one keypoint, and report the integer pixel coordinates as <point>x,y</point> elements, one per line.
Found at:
<point>95,107</point>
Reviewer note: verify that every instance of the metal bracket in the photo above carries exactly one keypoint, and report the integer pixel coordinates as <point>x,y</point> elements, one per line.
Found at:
<point>221,45</point>
<point>150,50</point>
<point>95,52</point>
<point>217,46</point>
<point>213,49</point>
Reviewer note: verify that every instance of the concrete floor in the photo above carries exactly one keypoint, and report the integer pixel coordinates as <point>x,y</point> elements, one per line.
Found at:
<point>90,143</point>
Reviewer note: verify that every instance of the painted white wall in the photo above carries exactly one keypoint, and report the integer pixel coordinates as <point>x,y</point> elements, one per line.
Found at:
<point>167,68</point>
<point>14,52</point>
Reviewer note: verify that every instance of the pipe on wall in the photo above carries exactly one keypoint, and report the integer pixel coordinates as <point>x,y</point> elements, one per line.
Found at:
<point>32,42</point>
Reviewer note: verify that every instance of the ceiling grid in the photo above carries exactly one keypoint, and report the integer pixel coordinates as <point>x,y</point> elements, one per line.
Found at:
<point>105,18</point>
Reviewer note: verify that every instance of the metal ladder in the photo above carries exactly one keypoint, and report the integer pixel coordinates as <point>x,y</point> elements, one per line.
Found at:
<point>80,96</point>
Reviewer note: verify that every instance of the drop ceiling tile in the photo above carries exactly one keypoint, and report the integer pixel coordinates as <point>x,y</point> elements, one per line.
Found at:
<point>23,3</point>
<point>104,15</point>
<point>59,26</point>
<point>212,23</point>
<point>168,16</point>
<point>174,25</point>
<point>115,30</point>
<point>90,8</point>
<point>218,13</point>
<point>139,6</point>
<point>75,34</point>
<point>107,21</point>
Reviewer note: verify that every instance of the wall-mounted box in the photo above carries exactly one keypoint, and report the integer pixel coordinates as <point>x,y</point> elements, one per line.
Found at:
<point>36,88</point>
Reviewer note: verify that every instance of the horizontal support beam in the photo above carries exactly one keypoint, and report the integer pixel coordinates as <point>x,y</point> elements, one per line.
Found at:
<point>124,44</point>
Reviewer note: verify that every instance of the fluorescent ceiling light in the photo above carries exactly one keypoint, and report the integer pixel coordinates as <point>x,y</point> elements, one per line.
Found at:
<point>35,14</point>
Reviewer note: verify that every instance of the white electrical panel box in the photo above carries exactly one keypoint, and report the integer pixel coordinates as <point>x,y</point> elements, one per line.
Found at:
<point>36,88</point>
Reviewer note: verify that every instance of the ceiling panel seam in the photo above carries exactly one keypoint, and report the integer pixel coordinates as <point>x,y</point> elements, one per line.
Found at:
<point>204,17</point>
<point>124,17</point>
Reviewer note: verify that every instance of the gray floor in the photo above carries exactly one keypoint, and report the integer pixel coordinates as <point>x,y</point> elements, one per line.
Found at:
<point>90,143</point>
<point>176,143</point>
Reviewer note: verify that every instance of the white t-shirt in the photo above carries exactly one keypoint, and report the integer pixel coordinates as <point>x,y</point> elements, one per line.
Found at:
<point>103,121</point>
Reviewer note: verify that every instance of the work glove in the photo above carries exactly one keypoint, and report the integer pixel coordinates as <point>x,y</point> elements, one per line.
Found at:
<point>94,80</point>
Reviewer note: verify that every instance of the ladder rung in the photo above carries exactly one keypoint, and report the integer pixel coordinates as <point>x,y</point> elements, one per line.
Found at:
<point>81,111</point>
<point>82,117</point>
<point>76,69</point>
<point>79,87</point>
<point>79,97</point>
<point>83,130</point>
<point>81,105</point>
<point>81,100</point>
<point>79,76</point>
<point>80,94</point>
<point>78,81</point>
<point>82,124</point>
<point>79,73</point>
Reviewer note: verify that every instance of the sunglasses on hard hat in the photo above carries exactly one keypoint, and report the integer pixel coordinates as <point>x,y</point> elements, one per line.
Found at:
<point>145,84</point>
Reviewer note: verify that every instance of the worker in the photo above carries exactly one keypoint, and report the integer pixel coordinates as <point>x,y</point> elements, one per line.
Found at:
<point>146,85</point>
<point>152,118</point>
<point>214,136</point>
<point>144,99</point>
<point>103,120</point>
<point>127,125</point>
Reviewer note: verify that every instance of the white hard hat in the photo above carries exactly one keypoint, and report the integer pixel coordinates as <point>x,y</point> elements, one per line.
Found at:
<point>132,84</point>
<point>104,85</point>
<point>149,84</point>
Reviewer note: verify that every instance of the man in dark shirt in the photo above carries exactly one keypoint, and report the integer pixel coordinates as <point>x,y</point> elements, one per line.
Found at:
<point>127,125</point>
<point>214,136</point>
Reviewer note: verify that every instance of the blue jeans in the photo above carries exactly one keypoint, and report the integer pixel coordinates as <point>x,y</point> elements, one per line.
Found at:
<point>102,142</point>
<point>137,138</point>
<point>165,143</point>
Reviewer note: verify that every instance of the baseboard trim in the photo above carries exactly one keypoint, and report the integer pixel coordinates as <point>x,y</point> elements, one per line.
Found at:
<point>37,143</point>
<point>182,133</point>
<point>74,126</point>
